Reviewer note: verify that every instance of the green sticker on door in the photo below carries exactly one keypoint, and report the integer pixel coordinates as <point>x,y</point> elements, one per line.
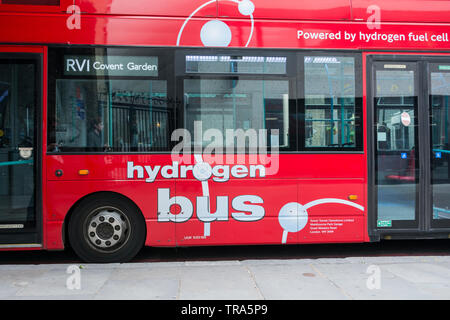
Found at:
<point>384,223</point>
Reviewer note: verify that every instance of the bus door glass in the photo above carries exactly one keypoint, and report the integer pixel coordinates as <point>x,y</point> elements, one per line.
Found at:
<point>18,107</point>
<point>396,144</point>
<point>439,108</point>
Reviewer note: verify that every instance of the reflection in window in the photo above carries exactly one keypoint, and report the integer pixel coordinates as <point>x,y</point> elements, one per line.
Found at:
<point>110,115</point>
<point>329,102</point>
<point>235,103</point>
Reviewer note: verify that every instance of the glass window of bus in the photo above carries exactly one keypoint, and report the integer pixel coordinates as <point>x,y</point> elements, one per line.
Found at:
<point>395,98</point>
<point>240,103</point>
<point>109,103</point>
<point>331,108</point>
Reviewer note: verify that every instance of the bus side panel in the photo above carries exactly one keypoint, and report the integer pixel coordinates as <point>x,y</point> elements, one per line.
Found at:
<point>268,208</point>
<point>336,210</point>
<point>54,235</point>
<point>298,211</point>
<point>294,210</point>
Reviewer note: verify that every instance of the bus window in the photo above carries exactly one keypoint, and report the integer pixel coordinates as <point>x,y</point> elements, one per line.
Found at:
<point>241,102</point>
<point>116,115</point>
<point>394,100</point>
<point>330,102</point>
<point>234,103</point>
<point>112,101</point>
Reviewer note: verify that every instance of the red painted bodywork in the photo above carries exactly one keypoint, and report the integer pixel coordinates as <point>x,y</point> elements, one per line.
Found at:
<point>302,178</point>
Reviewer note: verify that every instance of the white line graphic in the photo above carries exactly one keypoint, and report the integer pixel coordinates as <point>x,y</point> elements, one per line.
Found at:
<point>332,200</point>
<point>202,171</point>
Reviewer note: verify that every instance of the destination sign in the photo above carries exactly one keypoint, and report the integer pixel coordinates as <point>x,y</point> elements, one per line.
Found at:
<point>136,66</point>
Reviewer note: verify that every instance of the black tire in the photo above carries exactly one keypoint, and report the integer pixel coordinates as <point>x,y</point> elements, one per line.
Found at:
<point>91,228</point>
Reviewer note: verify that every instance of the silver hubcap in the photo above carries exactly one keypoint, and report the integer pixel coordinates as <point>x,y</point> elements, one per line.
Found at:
<point>107,229</point>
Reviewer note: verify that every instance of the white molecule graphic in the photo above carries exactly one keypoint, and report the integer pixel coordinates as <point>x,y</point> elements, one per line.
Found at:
<point>216,33</point>
<point>246,7</point>
<point>293,216</point>
<point>202,171</point>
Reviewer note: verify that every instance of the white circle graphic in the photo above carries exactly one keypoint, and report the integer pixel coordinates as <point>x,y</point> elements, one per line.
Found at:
<point>202,171</point>
<point>246,7</point>
<point>293,217</point>
<point>215,33</point>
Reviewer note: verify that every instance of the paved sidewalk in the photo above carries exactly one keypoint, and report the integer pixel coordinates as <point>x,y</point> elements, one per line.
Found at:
<point>350,278</point>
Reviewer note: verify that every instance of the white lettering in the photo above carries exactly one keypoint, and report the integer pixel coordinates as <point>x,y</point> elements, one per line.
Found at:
<point>74,20</point>
<point>319,35</point>
<point>193,310</point>
<point>374,20</point>
<point>143,67</point>
<point>81,67</point>
<point>131,168</point>
<point>184,170</point>
<point>70,63</point>
<point>204,211</point>
<point>165,202</point>
<point>173,169</point>
<point>239,171</point>
<point>249,212</point>
<point>73,282</point>
<point>182,150</point>
<point>221,173</point>
<point>113,66</point>
<point>260,168</point>
<point>374,280</point>
<point>201,171</point>
<point>248,206</point>
<point>151,173</point>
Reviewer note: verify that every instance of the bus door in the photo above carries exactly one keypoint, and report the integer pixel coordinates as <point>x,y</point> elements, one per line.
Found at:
<point>20,102</point>
<point>438,90</point>
<point>408,149</point>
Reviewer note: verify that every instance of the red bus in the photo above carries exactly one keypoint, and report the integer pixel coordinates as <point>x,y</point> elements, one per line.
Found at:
<point>222,122</point>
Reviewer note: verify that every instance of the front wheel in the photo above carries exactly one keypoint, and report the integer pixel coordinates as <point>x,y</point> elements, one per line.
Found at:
<point>106,229</point>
